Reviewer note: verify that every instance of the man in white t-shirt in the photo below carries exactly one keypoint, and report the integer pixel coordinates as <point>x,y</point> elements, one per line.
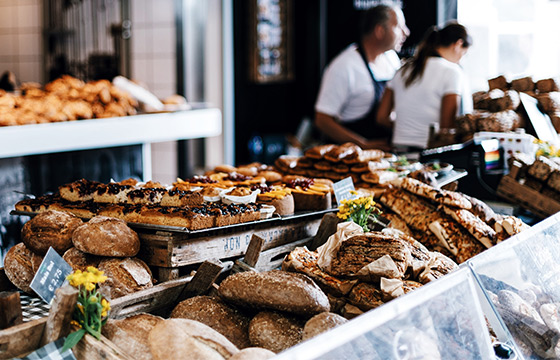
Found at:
<point>353,82</point>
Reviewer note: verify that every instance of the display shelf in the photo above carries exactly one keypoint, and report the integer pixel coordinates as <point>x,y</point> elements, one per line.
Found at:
<point>441,320</point>
<point>100,133</point>
<point>520,281</point>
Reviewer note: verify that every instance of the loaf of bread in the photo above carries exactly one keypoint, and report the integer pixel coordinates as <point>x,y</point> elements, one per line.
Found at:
<point>547,85</point>
<point>106,236</point>
<point>550,102</point>
<point>215,313</point>
<point>523,84</point>
<point>50,228</point>
<point>542,168</point>
<point>274,331</point>
<point>320,323</point>
<point>131,334</point>
<point>79,260</point>
<point>253,353</point>
<point>20,265</point>
<point>499,82</point>
<point>189,340</point>
<point>277,290</point>
<point>124,276</point>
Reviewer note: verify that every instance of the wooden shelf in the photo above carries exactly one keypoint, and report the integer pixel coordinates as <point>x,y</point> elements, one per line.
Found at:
<point>101,133</point>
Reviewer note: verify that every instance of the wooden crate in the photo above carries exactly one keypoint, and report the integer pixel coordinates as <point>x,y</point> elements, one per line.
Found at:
<point>168,249</point>
<point>269,259</point>
<point>528,198</point>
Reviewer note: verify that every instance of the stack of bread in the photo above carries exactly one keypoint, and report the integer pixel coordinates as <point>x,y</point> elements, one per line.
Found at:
<point>251,314</point>
<point>64,99</point>
<point>105,243</point>
<point>368,270</point>
<point>542,175</point>
<point>455,224</point>
<point>367,168</point>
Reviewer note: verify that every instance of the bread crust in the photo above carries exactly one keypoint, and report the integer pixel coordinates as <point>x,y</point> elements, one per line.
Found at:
<point>124,276</point>
<point>322,322</point>
<point>20,265</point>
<point>79,260</point>
<point>275,331</point>
<point>106,236</point>
<point>50,228</point>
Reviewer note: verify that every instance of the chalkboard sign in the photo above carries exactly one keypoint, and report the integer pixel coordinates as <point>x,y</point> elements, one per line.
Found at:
<point>51,275</point>
<point>342,190</point>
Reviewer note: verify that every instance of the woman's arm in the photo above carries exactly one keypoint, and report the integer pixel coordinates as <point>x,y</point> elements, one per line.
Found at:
<point>336,131</point>
<point>449,106</point>
<point>385,109</point>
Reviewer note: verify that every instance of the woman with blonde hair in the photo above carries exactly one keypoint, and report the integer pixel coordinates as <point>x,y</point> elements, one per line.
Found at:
<point>429,88</point>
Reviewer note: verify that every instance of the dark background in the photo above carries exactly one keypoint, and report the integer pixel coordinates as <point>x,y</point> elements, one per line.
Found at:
<point>271,110</point>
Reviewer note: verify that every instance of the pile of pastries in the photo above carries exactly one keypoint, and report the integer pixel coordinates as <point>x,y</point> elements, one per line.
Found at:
<point>64,99</point>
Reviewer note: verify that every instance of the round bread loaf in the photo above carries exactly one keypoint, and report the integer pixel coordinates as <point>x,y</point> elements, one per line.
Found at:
<point>320,323</point>
<point>274,331</point>
<point>277,290</point>
<point>106,236</point>
<point>253,353</point>
<point>20,265</point>
<point>188,340</point>
<point>215,313</point>
<point>79,260</point>
<point>50,228</point>
<point>124,276</point>
<point>131,334</point>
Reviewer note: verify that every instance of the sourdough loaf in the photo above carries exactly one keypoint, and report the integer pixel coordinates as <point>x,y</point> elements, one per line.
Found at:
<point>131,334</point>
<point>277,290</point>
<point>274,331</point>
<point>320,323</point>
<point>215,313</point>
<point>106,236</point>
<point>124,276</point>
<point>79,260</point>
<point>20,265</point>
<point>50,228</point>
<point>188,340</point>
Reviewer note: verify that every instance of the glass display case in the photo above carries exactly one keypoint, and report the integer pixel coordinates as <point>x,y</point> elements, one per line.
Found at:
<point>521,283</point>
<point>441,320</point>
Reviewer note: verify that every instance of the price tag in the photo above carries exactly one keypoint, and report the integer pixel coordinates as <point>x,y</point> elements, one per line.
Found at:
<point>50,276</point>
<point>342,190</point>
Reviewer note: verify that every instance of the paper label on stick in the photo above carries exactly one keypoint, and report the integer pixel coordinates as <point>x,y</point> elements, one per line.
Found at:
<point>51,275</point>
<point>342,190</point>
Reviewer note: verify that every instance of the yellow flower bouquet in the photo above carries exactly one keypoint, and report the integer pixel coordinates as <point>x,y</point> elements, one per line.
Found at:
<point>358,210</point>
<point>91,309</point>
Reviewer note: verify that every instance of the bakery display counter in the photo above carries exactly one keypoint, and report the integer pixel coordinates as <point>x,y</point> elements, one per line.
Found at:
<point>521,283</point>
<point>441,320</point>
<point>100,133</point>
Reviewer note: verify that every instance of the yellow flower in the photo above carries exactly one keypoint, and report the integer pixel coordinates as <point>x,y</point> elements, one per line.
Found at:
<point>89,286</point>
<point>354,192</point>
<point>81,307</point>
<point>75,323</point>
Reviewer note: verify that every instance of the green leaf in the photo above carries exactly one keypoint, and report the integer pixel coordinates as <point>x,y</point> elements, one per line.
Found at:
<point>72,339</point>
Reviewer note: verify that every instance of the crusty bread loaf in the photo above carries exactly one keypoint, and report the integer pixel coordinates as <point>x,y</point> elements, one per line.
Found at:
<point>106,236</point>
<point>124,276</point>
<point>131,334</point>
<point>277,290</point>
<point>274,331</point>
<point>499,82</point>
<point>188,340</point>
<point>20,265</point>
<point>215,313</point>
<point>253,353</point>
<point>79,260</point>
<point>320,323</point>
<point>50,228</point>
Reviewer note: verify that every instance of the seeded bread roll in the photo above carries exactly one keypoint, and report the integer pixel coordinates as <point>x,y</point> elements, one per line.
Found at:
<point>20,265</point>
<point>253,353</point>
<point>106,236</point>
<point>188,340</point>
<point>131,334</point>
<point>215,313</point>
<point>320,323</point>
<point>275,331</point>
<point>277,290</point>
<point>50,228</point>
<point>124,276</point>
<point>80,260</point>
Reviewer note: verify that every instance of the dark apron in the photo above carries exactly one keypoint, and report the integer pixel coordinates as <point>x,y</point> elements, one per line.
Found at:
<point>367,126</point>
